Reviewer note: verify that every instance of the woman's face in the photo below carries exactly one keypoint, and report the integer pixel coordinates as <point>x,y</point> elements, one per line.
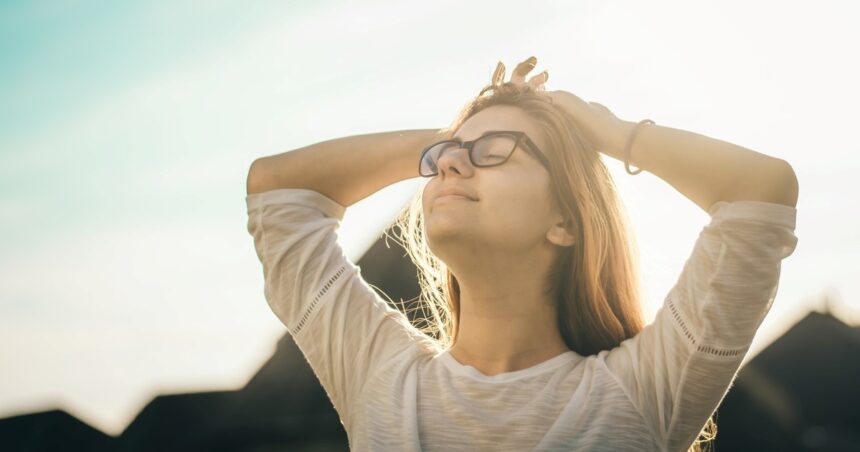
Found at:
<point>512,208</point>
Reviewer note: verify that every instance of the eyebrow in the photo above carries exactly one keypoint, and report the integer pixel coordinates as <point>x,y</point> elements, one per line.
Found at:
<point>483,134</point>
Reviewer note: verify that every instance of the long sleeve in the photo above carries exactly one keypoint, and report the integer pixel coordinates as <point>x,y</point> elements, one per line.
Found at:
<point>345,330</point>
<point>677,370</point>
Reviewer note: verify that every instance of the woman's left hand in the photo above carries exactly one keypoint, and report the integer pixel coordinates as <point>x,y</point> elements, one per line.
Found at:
<point>605,130</point>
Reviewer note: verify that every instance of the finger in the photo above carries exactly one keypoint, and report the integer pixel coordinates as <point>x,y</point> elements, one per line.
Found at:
<point>522,69</point>
<point>539,79</point>
<point>499,74</point>
<point>519,75</point>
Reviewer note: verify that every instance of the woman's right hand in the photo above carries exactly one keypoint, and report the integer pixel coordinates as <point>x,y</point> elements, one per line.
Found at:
<point>601,127</point>
<point>519,75</point>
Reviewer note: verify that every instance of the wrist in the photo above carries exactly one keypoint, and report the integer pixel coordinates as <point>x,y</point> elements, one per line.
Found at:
<point>618,138</point>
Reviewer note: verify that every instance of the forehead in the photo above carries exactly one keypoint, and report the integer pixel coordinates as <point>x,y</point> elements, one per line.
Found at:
<point>498,117</point>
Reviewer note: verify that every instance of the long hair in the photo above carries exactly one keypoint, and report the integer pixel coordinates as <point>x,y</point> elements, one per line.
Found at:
<point>594,283</point>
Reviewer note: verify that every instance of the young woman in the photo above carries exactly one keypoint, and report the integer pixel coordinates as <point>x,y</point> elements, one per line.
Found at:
<point>535,338</point>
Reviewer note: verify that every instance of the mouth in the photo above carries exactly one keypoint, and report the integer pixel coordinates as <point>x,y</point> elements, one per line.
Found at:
<point>452,197</point>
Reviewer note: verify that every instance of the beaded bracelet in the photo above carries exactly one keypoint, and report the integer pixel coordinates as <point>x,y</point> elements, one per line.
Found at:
<point>630,143</point>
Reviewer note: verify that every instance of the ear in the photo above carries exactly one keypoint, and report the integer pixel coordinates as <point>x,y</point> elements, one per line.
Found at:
<point>561,233</point>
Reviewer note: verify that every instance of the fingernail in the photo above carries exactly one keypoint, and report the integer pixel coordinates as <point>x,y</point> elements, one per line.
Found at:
<point>532,60</point>
<point>545,76</point>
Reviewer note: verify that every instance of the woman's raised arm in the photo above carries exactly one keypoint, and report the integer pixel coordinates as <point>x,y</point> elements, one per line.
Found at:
<point>346,169</point>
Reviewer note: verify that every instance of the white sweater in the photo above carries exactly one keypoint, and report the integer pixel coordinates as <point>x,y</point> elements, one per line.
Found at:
<point>395,391</point>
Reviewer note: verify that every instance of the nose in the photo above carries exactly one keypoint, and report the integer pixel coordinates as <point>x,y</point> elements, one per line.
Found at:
<point>455,160</point>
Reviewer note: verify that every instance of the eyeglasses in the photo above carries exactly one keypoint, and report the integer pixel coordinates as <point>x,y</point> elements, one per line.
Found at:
<point>490,149</point>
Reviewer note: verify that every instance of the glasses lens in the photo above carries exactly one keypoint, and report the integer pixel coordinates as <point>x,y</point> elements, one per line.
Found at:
<point>489,150</point>
<point>493,149</point>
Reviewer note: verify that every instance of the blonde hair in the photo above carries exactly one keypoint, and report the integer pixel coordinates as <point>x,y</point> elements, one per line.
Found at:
<point>595,283</point>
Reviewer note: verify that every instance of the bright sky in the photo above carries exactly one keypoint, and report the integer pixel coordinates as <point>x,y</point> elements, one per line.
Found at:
<point>126,133</point>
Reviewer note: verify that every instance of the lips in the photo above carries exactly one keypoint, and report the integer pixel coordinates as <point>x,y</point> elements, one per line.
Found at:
<point>439,198</point>
<point>454,191</point>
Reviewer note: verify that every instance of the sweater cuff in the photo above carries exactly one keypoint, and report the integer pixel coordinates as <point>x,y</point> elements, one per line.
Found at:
<point>301,196</point>
<point>765,212</point>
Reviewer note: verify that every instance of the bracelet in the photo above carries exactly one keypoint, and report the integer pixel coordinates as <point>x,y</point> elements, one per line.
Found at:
<point>630,143</point>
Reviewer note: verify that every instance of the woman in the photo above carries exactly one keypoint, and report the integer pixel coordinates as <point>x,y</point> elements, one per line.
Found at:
<point>535,338</point>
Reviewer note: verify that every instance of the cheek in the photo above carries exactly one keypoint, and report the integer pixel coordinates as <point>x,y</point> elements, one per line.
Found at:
<point>519,214</point>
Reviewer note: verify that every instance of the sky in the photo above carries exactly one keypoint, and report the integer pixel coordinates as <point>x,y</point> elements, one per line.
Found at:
<point>127,129</point>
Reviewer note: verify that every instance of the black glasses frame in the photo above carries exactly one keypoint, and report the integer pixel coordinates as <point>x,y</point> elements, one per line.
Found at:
<point>521,136</point>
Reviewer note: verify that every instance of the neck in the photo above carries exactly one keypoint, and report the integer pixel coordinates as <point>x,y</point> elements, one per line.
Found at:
<point>507,331</point>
